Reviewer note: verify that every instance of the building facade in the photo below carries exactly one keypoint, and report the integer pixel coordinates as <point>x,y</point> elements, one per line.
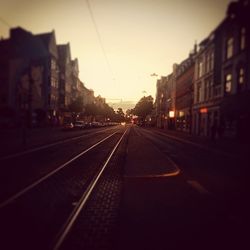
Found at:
<point>221,85</point>
<point>235,74</point>
<point>29,85</point>
<point>184,94</point>
<point>207,88</point>
<point>38,80</point>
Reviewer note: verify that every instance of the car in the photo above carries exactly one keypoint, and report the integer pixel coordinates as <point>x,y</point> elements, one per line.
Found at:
<point>68,126</point>
<point>96,124</point>
<point>79,125</point>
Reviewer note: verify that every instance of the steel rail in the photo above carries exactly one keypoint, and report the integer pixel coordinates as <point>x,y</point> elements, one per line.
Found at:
<point>34,184</point>
<point>49,145</point>
<point>63,233</point>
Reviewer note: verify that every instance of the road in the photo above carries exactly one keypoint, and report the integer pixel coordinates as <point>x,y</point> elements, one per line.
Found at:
<point>124,187</point>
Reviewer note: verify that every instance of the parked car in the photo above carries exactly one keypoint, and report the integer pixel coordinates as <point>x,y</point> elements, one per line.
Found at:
<point>96,124</point>
<point>68,126</point>
<point>79,125</point>
<point>88,125</point>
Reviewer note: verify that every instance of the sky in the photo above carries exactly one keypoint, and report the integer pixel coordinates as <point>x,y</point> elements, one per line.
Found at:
<point>119,43</point>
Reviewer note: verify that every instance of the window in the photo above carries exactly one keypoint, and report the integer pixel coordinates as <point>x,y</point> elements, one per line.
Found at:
<point>198,93</point>
<point>53,64</point>
<point>207,63</point>
<point>211,61</point>
<point>242,38</point>
<point>230,47</point>
<point>241,78</point>
<point>200,69</point>
<point>228,83</point>
<point>54,82</point>
<point>206,89</point>
<point>209,89</point>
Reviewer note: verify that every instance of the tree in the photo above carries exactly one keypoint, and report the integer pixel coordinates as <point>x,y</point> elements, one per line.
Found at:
<point>120,112</point>
<point>120,115</point>
<point>129,112</point>
<point>144,107</point>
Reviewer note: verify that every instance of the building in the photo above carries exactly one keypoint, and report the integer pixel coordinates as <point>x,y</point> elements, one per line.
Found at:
<point>184,93</point>
<point>160,102</point>
<point>165,101</point>
<point>207,86</point>
<point>76,83</point>
<point>51,76</point>
<point>221,84</point>
<point>235,74</point>
<point>65,80</point>
<point>29,76</point>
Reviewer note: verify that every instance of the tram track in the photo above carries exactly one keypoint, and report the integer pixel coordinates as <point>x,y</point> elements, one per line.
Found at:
<point>83,200</point>
<point>39,210</point>
<point>51,144</point>
<point>22,171</point>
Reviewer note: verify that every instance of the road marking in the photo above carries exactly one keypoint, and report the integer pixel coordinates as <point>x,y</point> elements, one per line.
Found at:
<point>177,172</point>
<point>196,185</point>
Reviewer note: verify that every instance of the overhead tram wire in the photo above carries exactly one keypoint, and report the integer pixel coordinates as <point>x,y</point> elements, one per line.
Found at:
<point>100,40</point>
<point>5,22</point>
